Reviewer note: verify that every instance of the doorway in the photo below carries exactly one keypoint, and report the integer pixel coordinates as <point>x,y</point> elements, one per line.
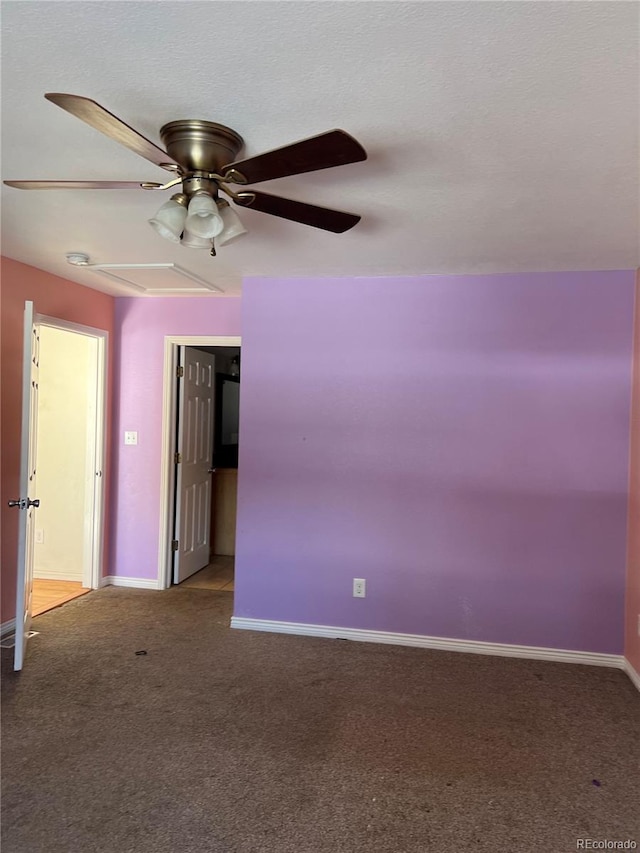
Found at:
<point>200,462</point>
<point>219,571</point>
<point>69,445</point>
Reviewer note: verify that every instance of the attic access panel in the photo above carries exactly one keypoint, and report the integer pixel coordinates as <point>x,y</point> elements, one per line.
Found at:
<point>155,279</point>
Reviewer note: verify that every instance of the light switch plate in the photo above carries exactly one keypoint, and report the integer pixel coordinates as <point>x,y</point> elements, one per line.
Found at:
<point>131,437</point>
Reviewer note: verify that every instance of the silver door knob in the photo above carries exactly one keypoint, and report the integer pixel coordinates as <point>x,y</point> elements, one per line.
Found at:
<point>212,470</point>
<point>24,504</point>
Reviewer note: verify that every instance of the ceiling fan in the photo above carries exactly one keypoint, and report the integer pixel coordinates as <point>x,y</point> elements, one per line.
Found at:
<point>201,155</point>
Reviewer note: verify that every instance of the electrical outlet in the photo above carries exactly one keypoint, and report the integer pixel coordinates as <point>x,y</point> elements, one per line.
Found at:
<point>130,437</point>
<point>359,587</point>
<point>39,537</point>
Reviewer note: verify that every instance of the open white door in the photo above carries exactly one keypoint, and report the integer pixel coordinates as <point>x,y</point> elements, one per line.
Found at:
<point>26,503</point>
<point>194,460</point>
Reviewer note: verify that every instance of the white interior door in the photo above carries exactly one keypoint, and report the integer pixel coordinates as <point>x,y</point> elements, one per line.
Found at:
<point>27,503</point>
<point>194,469</point>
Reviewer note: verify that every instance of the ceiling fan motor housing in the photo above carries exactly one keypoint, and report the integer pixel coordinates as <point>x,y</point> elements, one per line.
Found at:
<point>201,146</point>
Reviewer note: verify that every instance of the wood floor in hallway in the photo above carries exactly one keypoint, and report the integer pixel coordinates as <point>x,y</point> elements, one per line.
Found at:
<point>48,594</point>
<point>217,575</point>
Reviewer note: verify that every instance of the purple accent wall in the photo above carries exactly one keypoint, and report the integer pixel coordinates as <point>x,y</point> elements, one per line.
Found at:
<point>460,442</point>
<point>141,326</point>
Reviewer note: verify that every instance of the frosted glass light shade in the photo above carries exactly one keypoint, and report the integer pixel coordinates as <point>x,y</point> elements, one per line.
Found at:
<point>233,227</point>
<point>169,220</point>
<point>191,241</point>
<point>203,219</point>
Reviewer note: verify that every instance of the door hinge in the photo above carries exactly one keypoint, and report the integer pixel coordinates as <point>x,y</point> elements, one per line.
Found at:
<point>180,372</point>
<point>174,545</point>
<point>177,458</point>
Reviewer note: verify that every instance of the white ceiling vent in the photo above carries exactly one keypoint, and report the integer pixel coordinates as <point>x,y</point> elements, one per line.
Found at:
<point>151,279</point>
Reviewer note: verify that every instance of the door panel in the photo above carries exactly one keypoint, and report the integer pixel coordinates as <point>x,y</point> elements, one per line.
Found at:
<point>25,503</point>
<point>193,477</point>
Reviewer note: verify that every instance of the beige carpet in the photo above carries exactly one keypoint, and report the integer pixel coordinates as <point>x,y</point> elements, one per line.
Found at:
<point>221,741</point>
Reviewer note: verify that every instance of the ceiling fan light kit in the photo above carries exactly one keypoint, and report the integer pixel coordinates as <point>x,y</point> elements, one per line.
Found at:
<point>169,220</point>
<point>203,219</point>
<point>194,224</point>
<point>201,155</point>
<point>233,227</point>
<point>192,242</point>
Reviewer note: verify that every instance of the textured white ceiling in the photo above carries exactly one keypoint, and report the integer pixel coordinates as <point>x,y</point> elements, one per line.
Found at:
<point>502,136</point>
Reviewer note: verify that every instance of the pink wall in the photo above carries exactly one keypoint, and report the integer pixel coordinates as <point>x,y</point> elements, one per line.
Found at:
<point>55,297</point>
<point>632,640</point>
<point>142,326</point>
<point>462,442</point>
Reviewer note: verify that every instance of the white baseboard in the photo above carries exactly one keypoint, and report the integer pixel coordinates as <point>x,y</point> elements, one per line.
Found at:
<point>632,673</point>
<point>135,583</point>
<point>424,642</point>
<point>7,627</point>
<point>43,574</point>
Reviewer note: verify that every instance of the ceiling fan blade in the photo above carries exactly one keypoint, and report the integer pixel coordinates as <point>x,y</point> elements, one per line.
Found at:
<point>92,113</point>
<point>333,148</point>
<point>298,211</point>
<point>75,185</point>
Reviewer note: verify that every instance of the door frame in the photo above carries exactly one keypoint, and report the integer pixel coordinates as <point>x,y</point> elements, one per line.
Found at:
<point>93,550</point>
<point>172,343</point>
